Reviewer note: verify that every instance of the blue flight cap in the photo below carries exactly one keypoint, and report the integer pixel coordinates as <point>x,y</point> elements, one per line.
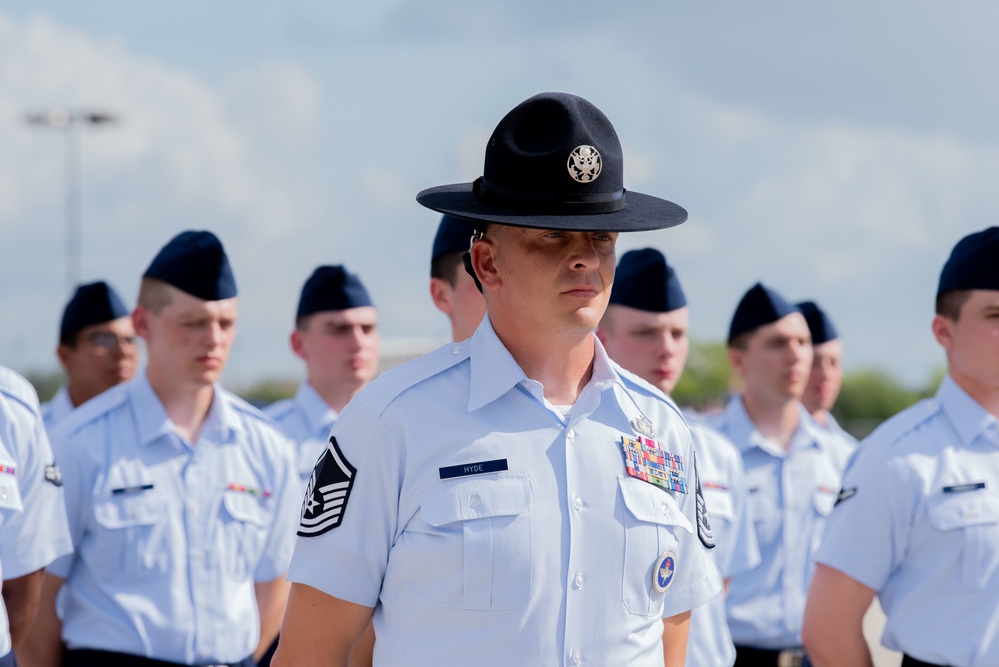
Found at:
<point>453,235</point>
<point>196,263</point>
<point>331,288</point>
<point>819,323</point>
<point>758,307</point>
<point>973,264</point>
<point>645,281</point>
<point>94,303</point>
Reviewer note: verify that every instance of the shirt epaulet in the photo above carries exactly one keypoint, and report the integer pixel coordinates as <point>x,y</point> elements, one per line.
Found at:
<point>18,388</point>
<point>245,408</point>
<point>899,426</point>
<point>93,409</point>
<point>384,389</point>
<point>635,383</point>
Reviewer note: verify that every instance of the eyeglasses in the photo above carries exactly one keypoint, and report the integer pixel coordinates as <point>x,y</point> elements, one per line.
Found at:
<point>107,340</point>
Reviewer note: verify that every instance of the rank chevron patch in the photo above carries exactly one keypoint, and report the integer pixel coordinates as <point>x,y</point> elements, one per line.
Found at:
<point>327,493</point>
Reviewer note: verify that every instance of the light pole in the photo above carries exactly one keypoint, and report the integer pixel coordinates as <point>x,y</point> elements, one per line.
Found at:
<point>68,121</point>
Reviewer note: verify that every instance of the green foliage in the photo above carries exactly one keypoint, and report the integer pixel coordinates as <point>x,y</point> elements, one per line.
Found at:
<point>705,379</point>
<point>46,383</point>
<point>872,395</point>
<point>268,391</point>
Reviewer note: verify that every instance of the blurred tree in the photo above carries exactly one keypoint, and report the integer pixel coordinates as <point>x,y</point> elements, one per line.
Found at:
<point>268,391</point>
<point>705,379</point>
<point>46,383</point>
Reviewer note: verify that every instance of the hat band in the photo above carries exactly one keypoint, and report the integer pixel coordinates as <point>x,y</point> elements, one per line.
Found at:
<point>547,203</point>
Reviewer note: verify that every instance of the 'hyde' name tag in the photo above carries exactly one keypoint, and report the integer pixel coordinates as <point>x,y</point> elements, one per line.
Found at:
<point>478,468</point>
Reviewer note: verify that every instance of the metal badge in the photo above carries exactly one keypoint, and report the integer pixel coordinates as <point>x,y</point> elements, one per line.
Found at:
<point>584,164</point>
<point>663,572</point>
<point>643,426</point>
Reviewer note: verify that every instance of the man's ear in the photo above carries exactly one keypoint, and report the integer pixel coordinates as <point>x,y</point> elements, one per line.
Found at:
<point>483,258</point>
<point>442,293</point>
<point>736,358</point>
<point>296,344</point>
<point>943,331</point>
<point>140,322</point>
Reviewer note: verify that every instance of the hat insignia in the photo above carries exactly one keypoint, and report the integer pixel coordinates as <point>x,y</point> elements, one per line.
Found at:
<point>584,164</point>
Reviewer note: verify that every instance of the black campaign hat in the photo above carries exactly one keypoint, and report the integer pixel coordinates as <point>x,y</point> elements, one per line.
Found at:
<point>554,162</point>
<point>645,281</point>
<point>453,235</point>
<point>819,324</point>
<point>973,263</point>
<point>331,288</point>
<point>195,263</point>
<point>93,303</point>
<point>759,306</point>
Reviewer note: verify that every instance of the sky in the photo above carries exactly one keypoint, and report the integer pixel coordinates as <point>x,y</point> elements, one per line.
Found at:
<point>833,152</point>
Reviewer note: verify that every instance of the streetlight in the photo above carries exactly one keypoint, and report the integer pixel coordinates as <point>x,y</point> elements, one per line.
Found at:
<point>68,120</point>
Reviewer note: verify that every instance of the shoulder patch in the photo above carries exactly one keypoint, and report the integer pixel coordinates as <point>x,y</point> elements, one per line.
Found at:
<point>53,475</point>
<point>389,385</point>
<point>703,523</point>
<point>845,494</point>
<point>327,493</point>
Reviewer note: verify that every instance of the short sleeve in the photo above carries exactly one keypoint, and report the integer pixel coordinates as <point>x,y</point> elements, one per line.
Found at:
<point>350,515</point>
<point>287,501</point>
<point>76,505</point>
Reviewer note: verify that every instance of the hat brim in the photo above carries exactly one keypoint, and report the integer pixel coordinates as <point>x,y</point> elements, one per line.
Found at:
<point>641,212</point>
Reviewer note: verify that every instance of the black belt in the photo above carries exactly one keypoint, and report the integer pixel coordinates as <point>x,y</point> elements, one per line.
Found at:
<point>909,661</point>
<point>94,658</point>
<point>748,656</point>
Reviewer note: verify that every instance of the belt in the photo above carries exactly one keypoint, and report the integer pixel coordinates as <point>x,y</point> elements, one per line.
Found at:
<point>97,658</point>
<point>749,656</point>
<point>909,661</point>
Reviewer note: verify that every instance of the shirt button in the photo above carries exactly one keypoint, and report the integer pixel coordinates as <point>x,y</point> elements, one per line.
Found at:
<point>665,509</point>
<point>570,434</point>
<point>456,350</point>
<point>578,504</point>
<point>579,580</point>
<point>474,500</point>
<point>577,657</point>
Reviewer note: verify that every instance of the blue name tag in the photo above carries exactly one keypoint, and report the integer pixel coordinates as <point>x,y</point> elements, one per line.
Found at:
<point>962,488</point>
<point>479,468</point>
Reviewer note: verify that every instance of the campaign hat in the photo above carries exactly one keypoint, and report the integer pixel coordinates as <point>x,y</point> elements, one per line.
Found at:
<point>554,162</point>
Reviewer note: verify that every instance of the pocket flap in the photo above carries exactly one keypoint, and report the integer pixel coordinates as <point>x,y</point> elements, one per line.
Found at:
<point>948,512</point>
<point>649,503</point>
<point>719,503</point>
<point>507,494</point>
<point>243,507</point>
<point>141,510</point>
<point>824,501</point>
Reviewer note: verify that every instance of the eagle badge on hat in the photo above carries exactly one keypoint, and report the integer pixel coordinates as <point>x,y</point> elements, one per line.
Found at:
<point>584,164</point>
<point>328,491</point>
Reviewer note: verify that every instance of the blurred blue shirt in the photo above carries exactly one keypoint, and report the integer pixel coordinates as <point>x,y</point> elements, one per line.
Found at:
<point>307,419</point>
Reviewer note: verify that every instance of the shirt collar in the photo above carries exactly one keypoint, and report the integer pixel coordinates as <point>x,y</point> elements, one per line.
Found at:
<point>61,405</point>
<point>494,371</point>
<point>153,422</point>
<point>744,434</point>
<point>969,418</point>
<point>319,416</point>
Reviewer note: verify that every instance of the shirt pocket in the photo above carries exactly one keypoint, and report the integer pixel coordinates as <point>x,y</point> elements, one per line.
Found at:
<point>132,543</point>
<point>652,521</point>
<point>976,516</point>
<point>484,526</point>
<point>242,532</point>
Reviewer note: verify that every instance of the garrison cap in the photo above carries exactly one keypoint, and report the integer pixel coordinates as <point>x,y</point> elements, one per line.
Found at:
<point>554,162</point>
<point>973,263</point>
<point>819,324</point>
<point>453,235</point>
<point>195,263</point>
<point>331,288</point>
<point>759,306</point>
<point>645,281</point>
<point>93,303</point>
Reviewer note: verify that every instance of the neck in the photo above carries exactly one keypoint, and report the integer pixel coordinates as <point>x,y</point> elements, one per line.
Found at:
<point>79,395</point>
<point>186,405</point>
<point>336,397</point>
<point>562,364</point>
<point>821,416</point>
<point>775,422</point>
<point>985,395</point>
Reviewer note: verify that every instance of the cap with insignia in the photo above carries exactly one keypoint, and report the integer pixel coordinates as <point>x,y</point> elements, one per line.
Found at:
<point>93,303</point>
<point>644,280</point>
<point>819,324</point>
<point>332,288</point>
<point>759,306</point>
<point>973,264</point>
<point>195,263</point>
<point>554,162</point>
<point>453,235</point>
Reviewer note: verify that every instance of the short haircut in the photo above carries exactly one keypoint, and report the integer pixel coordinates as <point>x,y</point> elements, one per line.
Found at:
<point>445,267</point>
<point>302,323</point>
<point>949,303</point>
<point>741,341</point>
<point>154,295</point>
<point>69,339</point>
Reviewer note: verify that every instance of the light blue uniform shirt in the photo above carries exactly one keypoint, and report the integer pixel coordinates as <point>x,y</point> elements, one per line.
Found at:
<point>485,528</point>
<point>307,419</point>
<point>719,465</point>
<point>919,523</point>
<point>790,495</point>
<point>833,428</point>
<point>33,528</point>
<point>56,409</point>
<point>170,537</point>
